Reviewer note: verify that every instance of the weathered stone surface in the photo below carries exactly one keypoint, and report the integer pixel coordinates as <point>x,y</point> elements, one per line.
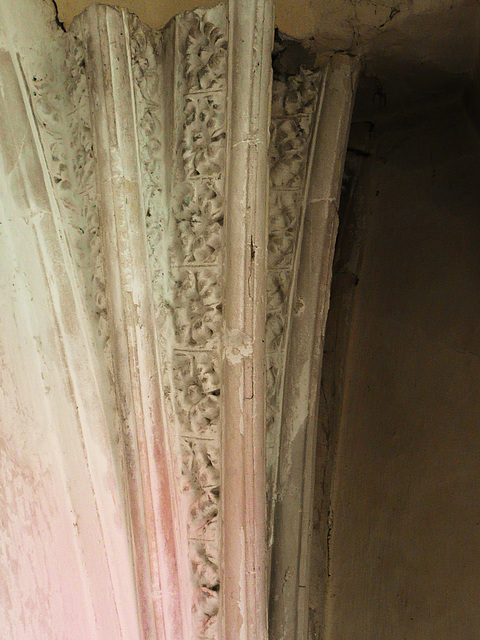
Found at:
<point>292,505</point>
<point>169,207</point>
<point>66,560</point>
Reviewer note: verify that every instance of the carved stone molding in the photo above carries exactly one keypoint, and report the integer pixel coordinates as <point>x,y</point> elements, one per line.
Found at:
<point>294,105</point>
<point>182,210</point>
<point>59,421</point>
<point>162,147</point>
<point>243,442</point>
<point>305,328</point>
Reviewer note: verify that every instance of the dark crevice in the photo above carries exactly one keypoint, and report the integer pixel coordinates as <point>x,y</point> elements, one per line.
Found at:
<point>59,23</point>
<point>289,55</point>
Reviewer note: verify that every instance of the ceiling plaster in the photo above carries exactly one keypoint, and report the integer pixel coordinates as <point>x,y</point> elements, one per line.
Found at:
<point>412,49</point>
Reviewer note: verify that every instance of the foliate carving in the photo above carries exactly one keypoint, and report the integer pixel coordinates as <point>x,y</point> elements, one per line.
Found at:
<point>203,45</point>
<point>84,171</point>
<point>62,112</point>
<point>183,174</point>
<point>197,307</point>
<point>290,138</point>
<point>293,107</point>
<point>197,275</point>
<point>295,94</point>
<point>278,288</point>
<point>203,146</point>
<point>199,217</point>
<point>205,570</point>
<point>282,231</point>
<point>202,480</point>
<point>145,47</point>
<point>197,390</point>
<point>184,206</point>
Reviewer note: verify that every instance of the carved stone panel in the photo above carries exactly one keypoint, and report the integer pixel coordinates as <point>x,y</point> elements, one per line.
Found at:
<point>183,174</point>
<point>180,191</point>
<point>303,324</point>
<point>176,108</point>
<point>294,103</point>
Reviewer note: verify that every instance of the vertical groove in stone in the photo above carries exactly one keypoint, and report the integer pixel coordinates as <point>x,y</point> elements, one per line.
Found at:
<point>243,575</point>
<point>151,480</point>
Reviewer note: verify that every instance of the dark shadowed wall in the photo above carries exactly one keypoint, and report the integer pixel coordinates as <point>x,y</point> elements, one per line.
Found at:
<point>404,536</point>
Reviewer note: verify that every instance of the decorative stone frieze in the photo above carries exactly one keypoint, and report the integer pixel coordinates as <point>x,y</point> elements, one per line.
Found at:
<point>192,205</point>
<point>294,103</point>
<point>184,233</point>
<point>292,504</point>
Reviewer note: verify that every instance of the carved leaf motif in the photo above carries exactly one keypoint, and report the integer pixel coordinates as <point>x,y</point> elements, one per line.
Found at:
<point>296,95</point>
<point>204,135</point>
<point>293,106</point>
<point>278,286</point>
<point>199,216</point>
<point>283,221</point>
<point>185,237</point>
<point>197,308</point>
<point>197,384</point>
<point>202,475</point>
<point>289,144</point>
<point>62,112</point>
<point>205,54</point>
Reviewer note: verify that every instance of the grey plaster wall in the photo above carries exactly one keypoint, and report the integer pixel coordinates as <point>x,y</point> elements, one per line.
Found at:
<point>404,529</point>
